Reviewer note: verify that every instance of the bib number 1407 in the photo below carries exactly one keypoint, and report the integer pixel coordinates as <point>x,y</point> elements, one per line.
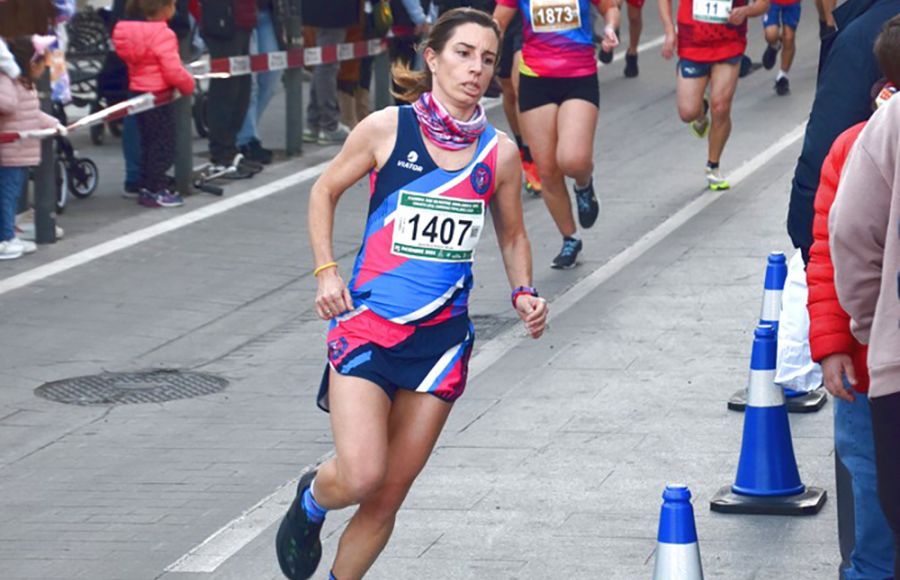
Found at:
<point>437,228</point>
<point>712,11</point>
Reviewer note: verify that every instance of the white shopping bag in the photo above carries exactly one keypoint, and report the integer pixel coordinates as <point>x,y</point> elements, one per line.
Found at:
<point>795,369</point>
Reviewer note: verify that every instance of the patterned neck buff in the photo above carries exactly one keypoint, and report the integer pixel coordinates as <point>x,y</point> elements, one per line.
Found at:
<point>442,129</point>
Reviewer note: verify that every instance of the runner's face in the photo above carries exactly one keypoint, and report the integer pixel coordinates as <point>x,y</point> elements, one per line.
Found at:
<point>462,71</point>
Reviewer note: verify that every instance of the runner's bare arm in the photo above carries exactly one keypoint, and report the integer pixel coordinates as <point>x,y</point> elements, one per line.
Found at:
<point>665,15</point>
<point>509,223</point>
<point>503,15</point>
<point>610,11</point>
<point>367,147</point>
<point>741,13</point>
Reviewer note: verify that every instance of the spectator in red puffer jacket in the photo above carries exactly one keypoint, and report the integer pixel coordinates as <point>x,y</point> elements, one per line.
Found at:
<point>844,367</point>
<point>150,49</point>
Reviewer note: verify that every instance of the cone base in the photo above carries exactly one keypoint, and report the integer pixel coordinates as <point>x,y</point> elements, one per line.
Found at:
<point>803,504</point>
<point>808,403</point>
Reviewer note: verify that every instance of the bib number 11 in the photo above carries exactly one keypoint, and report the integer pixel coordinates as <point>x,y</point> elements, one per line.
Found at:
<point>712,11</point>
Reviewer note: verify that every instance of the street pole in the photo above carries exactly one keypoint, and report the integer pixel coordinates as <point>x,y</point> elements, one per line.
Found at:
<point>184,143</point>
<point>45,176</point>
<point>382,73</point>
<point>293,86</point>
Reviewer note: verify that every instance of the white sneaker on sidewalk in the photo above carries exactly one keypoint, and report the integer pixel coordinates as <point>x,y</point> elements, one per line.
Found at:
<point>25,226</point>
<point>27,246</point>
<point>8,251</point>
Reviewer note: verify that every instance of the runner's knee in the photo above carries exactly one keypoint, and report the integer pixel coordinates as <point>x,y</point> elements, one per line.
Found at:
<point>573,164</point>
<point>690,112</point>
<point>362,479</point>
<point>720,109</point>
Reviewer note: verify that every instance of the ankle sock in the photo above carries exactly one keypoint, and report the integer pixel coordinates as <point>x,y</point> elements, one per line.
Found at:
<point>781,75</point>
<point>712,164</point>
<point>573,238</point>
<point>331,576</point>
<point>313,510</point>
<point>586,186</point>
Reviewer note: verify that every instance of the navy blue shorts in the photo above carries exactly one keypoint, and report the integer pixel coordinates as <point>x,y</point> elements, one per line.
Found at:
<point>689,69</point>
<point>429,358</point>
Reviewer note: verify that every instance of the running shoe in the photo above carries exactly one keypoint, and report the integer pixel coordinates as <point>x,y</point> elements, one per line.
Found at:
<point>254,151</point>
<point>782,87</point>
<point>532,181</point>
<point>768,57</point>
<point>310,135</point>
<point>567,255</point>
<point>588,206</point>
<point>715,181</point>
<point>631,65</point>
<point>297,542</point>
<point>700,127</point>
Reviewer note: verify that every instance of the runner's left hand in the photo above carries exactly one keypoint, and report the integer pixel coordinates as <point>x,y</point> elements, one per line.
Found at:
<point>737,16</point>
<point>610,40</point>
<point>533,312</point>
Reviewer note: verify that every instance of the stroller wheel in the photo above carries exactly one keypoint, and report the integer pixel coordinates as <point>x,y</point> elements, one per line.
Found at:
<point>62,186</point>
<point>83,178</point>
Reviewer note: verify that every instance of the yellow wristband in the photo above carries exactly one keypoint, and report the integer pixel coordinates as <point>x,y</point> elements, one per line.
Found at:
<point>324,267</point>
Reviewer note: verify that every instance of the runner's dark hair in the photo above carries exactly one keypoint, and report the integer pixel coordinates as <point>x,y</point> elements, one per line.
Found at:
<point>887,50</point>
<point>411,84</point>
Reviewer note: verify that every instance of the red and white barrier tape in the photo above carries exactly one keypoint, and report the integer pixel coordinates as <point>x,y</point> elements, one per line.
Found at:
<point>281,60</point>
<point>220,67</point>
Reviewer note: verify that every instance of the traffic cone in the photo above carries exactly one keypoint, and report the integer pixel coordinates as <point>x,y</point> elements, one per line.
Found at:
<point>770,313</point>
<point>677,552</point>
<point>767,481</point>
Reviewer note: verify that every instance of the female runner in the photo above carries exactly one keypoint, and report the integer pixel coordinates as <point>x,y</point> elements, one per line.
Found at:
<point>400,336</point>
<point>559,99</point>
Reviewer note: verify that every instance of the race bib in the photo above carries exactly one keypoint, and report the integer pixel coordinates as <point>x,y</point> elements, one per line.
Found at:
<point>555,15</point>
<point>712,11</point>
<point>440,229</point>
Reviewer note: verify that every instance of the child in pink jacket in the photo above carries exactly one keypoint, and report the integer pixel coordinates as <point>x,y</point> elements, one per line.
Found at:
<point>20,111</point>
<point>150,49</point>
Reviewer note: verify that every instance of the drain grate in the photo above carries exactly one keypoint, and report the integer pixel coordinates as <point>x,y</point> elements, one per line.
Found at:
<point>156,386</point>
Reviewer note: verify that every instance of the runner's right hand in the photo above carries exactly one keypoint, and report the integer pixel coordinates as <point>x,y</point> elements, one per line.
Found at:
<point>834,367</point>
<point>669,45</point>
<point>333,296</point>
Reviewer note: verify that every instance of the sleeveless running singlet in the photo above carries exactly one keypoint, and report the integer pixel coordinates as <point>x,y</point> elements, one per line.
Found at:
<point>704,34</point>
<point>415,264</point>
<point>557,38</point>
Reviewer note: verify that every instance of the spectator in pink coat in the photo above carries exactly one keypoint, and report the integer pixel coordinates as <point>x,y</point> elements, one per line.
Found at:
<point>150,50</point>
<point>20,112</point>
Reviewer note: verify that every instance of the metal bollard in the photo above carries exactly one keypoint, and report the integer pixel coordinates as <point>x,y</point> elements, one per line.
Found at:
<point>45,176</point>
<point>293,87</point>
<point>184,143</point>
<point>382,73</point>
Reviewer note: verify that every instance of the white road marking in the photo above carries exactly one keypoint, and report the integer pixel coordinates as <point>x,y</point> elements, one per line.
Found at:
<point>150,232</point>
<point>232,537</point>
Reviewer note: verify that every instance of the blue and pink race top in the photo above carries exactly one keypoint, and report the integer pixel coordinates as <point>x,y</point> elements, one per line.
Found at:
<point>415,263</point>
<point>557,38</point>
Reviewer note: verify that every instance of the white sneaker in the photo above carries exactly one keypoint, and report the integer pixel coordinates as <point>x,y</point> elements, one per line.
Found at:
<point>27,246</point>
<point>25,231</point>
<point>8,251</point>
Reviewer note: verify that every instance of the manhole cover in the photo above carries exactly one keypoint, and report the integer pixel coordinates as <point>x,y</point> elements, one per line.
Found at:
<point>487,326</point>
<point>156,386</point>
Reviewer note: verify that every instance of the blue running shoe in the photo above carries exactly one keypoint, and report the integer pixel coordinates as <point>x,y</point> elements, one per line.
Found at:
<point>588,206</point>
<point>567,255</point>
<point>297,542</point>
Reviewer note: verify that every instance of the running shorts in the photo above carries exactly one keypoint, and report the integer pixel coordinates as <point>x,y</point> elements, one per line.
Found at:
<point>536,92</point>
<point>639,4</point>
<point>428,358</point>
<point>689,69</point>
<point>512,43</point>
<point>783,14</point>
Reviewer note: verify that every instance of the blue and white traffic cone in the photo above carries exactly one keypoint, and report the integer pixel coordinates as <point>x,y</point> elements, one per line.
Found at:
<point>770,313</point>
<point>767,481</point>
<point>677,551</point>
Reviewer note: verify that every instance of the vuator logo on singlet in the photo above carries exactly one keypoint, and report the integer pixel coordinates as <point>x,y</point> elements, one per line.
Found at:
<point>410,162</point>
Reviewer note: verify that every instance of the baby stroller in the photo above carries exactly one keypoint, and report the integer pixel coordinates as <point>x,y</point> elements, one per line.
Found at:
<point>76,175</point>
